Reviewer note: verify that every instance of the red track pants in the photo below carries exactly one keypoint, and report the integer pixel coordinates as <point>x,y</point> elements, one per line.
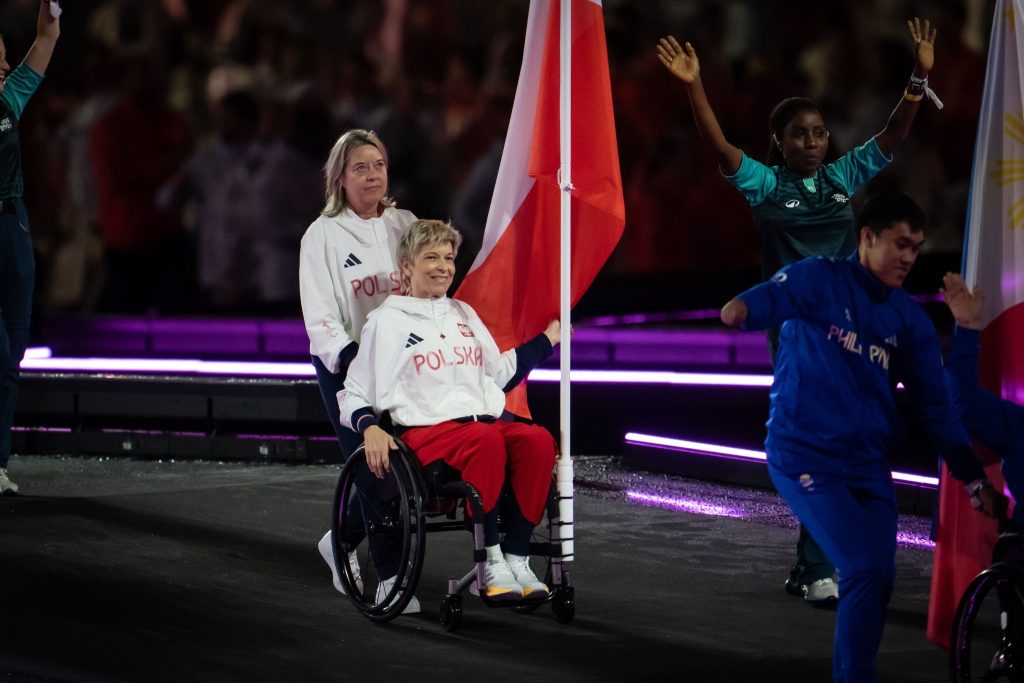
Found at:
<point>483,453</point>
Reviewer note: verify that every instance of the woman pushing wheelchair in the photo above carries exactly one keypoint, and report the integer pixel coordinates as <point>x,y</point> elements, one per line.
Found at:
<point>430,364</point>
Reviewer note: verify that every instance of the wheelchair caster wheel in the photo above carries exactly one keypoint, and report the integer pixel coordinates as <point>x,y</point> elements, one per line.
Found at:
<point>563,604</point>
<point>451,613</point>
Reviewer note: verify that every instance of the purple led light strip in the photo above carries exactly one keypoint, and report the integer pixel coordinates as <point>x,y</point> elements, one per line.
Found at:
<point>711,379</point>
<point>43,362</point>
<point>694,314</point>
<point>38,352</point>
<point>720,451</point>
<point>648,318</point>
<point>168,366</point>
<point>256,369</point>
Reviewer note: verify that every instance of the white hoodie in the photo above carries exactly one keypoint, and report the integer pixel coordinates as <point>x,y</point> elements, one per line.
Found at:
<point>346,269</point>
<point>425,361</point>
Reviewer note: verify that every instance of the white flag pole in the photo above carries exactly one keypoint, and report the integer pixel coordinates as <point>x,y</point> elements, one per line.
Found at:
<point>564,472</point>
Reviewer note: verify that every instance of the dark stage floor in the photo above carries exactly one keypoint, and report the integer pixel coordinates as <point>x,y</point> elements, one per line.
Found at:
<point>118,570</point>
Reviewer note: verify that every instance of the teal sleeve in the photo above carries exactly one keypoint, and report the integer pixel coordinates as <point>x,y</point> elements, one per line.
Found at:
<point>20,85</point>
<point>754,180</point>
<point>855,168</point>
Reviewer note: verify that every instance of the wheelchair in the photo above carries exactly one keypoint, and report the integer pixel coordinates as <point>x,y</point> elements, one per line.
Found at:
<point>988,630</point>
<point>385,522</point>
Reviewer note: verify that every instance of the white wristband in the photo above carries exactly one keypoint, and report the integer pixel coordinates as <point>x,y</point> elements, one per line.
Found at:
<point>923,82</point>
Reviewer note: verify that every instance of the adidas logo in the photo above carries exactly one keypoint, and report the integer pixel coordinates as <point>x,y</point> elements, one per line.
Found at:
<point>352,260</point>
<point>413,340</point>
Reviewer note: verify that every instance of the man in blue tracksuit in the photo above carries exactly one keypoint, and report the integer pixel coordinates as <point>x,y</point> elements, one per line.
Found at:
<point>849,334</point>
<point>17,263</point>
<point>990,420</point>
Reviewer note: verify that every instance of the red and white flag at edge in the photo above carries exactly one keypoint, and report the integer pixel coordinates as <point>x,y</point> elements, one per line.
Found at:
<point>993,259</point>
<point>514,283</point>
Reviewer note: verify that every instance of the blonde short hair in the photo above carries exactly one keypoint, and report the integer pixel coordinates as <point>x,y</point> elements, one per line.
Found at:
<point>351,140</point>
<point>420,234</point>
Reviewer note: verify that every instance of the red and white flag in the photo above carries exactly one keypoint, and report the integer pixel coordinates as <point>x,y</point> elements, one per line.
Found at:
<point>993,259</point>
<point>514,284</point>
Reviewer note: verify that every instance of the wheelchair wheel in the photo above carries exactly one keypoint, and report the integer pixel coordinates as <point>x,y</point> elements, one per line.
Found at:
<point>381,521</point>
<point>988,631</point>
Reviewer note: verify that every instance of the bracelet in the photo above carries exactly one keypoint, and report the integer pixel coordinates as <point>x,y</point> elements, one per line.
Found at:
<point>917,88</point>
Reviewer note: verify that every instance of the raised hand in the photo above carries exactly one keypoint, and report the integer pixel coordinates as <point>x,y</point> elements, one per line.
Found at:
<point>681,63</point>
<point>47,24</point>
<point>924,45</point>
<point>963,304</point>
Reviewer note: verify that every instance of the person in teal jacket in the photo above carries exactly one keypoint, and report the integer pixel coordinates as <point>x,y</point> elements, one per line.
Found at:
<point>849,333</point>
<point>17,263</point>
<point>802,205</point>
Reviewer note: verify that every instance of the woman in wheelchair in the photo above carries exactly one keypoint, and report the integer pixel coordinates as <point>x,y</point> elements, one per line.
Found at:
<point>429,363</point>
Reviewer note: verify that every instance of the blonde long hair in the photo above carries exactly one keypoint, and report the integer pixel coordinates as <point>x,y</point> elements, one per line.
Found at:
<point>334,169</point>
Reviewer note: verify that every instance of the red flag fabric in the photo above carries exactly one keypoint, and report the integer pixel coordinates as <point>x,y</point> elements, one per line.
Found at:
<point>993,259</point>
<point>514,282</point>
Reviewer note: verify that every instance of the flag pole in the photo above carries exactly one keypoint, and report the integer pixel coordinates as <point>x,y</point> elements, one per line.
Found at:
<point>564,471</point>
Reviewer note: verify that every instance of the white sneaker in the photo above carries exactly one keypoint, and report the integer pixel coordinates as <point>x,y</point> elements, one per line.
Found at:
<point>384,586</point>
<point>520,566</point>
<point>501,582</point>
<point>326,548</point>
<point>7,487</point>
<point>821,591</point>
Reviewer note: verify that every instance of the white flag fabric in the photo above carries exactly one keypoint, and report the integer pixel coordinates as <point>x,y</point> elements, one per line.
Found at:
<point>993,259</point>
<point>994,241</point>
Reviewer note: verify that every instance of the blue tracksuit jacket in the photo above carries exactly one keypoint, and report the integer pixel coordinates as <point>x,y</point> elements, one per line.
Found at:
<point>846,340</point>
<point>996,423</point>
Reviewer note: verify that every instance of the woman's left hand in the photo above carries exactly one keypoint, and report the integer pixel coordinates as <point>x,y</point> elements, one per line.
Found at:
<point>924,46</point>
<point>554,332</point>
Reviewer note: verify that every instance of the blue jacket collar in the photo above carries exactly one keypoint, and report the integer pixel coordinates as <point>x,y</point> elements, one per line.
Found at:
<point>876,289</point>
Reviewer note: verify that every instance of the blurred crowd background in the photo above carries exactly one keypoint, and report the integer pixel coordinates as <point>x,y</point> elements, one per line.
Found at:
<point>173,155</point>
